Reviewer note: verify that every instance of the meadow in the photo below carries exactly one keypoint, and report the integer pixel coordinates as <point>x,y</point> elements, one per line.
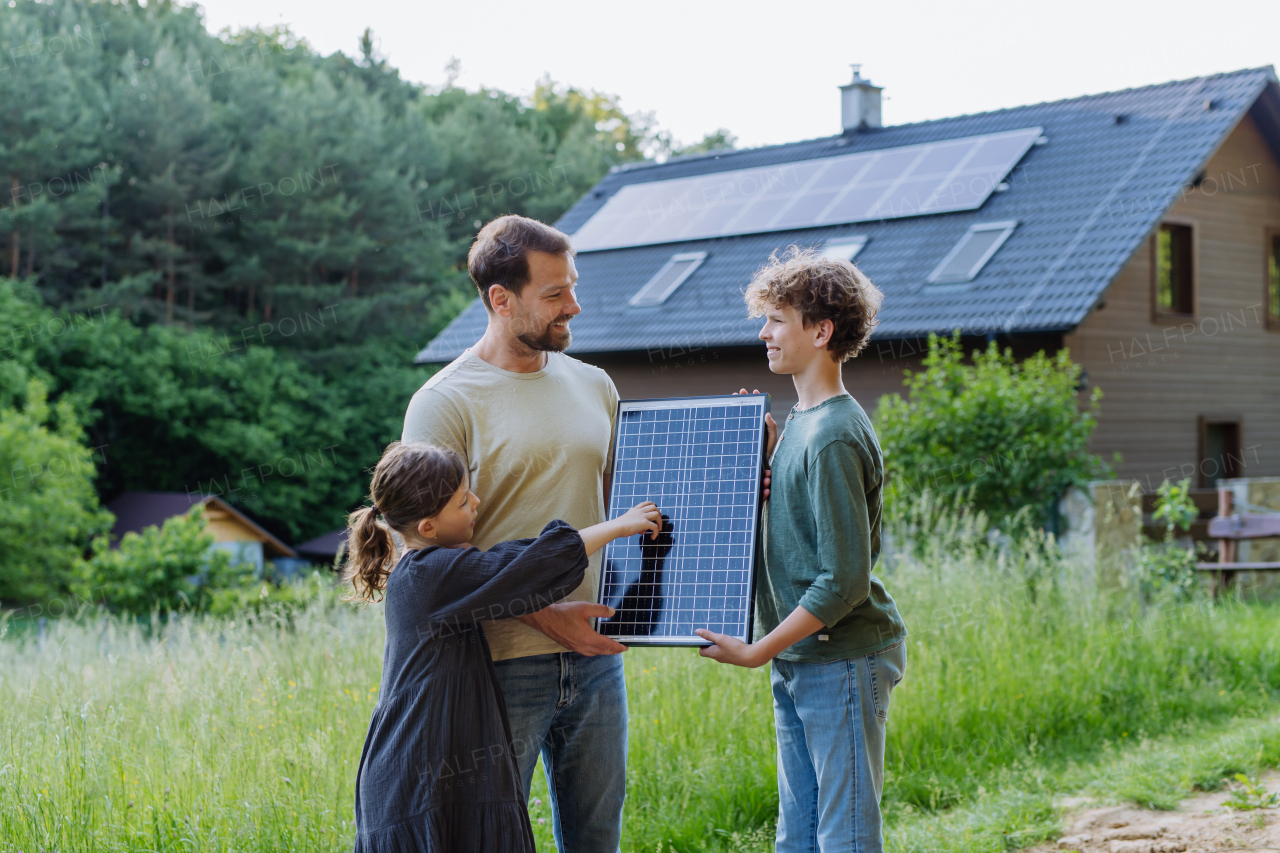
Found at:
<point>1023,682</point>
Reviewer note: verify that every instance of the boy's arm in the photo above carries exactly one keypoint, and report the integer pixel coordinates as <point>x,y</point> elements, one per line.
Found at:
<point>838,497</point>
<point>800,624</point>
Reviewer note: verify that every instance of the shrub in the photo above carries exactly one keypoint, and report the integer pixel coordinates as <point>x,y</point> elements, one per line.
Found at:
<point>48,507</point>
<point>1001,434</point>
<point>161,569</point>
<point>1167,569</point>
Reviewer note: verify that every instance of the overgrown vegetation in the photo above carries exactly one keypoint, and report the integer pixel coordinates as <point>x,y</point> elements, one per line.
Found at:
<point>1000,434</point>
<point>1021,682</point>
<point>1168,569</point>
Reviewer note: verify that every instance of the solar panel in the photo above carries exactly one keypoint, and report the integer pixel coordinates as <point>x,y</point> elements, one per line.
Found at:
<point>912,180</point>
<point>700,460</point>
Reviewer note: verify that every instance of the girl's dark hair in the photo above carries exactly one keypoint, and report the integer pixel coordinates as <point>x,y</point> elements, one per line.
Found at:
<point>411,482</point>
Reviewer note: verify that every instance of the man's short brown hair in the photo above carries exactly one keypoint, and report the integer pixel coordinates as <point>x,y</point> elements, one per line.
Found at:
<point>820,289</point>
<point>500,253</point>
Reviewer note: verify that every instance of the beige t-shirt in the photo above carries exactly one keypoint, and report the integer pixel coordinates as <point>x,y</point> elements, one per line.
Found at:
<point>539,445</point>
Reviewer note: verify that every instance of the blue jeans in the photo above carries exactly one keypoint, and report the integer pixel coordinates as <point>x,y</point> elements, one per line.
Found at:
<point>572,710</point>
<point>830,719</point>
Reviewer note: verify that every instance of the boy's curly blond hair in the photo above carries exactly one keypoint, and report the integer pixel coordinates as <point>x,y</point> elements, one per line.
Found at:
<point>820,289</point>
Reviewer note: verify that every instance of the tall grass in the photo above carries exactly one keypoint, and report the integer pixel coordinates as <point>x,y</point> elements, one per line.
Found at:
<point>214,734</point>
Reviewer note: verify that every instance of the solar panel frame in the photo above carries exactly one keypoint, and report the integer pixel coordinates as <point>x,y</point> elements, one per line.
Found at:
<point>945,176</point>
<point>684,573</point>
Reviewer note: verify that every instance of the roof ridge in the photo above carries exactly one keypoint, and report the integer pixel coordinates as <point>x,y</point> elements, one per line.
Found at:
<point>726,153</point>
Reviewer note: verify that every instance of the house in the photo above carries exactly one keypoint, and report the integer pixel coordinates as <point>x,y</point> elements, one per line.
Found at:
<point>1140,229</point>
<point>232,530</point>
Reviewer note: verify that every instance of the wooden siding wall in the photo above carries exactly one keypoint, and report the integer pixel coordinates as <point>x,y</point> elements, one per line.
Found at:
<point>1160,375</point>
<point>876,372</point>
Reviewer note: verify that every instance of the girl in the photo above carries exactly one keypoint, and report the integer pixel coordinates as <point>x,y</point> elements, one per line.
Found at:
<point>438,772</point>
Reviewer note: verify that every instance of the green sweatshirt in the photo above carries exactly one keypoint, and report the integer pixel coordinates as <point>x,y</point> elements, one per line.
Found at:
<point>821,535</point>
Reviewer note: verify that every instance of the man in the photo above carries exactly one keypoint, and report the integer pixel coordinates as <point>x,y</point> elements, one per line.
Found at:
<point>536,428</point>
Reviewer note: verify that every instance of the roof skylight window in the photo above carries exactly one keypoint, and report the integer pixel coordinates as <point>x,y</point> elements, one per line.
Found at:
<point>967,258</point>
<point>844,247</point>
<point>666,280</point>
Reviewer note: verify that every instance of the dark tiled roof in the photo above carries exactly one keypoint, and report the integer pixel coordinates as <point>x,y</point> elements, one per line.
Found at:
<point>1084,202</point>
<point>324,546</point>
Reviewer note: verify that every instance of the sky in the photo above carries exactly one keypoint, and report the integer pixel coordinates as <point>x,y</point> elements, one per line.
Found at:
<point>769,72</point>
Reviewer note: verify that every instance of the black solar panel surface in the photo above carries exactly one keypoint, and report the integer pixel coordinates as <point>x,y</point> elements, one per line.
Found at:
<point>700,460</point>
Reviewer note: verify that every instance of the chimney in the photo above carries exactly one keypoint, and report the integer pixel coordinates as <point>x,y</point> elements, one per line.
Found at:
<point>859,103</point>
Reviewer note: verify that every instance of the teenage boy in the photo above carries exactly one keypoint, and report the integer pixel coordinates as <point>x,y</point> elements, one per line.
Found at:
<point>834,635</point>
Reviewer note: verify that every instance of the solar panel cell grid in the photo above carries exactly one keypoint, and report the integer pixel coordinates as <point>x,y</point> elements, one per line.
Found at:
<point>700,460</point>
<point>935,177</point>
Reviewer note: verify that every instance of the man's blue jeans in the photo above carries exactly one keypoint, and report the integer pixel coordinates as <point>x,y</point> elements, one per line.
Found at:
<point>830,719</point>
<point>572,710</point>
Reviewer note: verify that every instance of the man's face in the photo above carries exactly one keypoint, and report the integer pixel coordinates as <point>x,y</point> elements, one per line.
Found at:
<point>790,346</point>
<point>540,315</point>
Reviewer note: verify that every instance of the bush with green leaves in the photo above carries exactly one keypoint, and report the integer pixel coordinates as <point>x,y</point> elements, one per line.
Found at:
<point>161,569</point>
<point>998,433</point>
<point>1167,569</point>
<point>48,508</point>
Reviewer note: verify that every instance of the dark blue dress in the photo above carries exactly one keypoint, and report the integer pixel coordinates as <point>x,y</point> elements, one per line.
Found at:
<point>438,771</point>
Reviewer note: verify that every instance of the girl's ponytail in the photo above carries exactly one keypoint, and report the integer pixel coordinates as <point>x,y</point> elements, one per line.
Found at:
<point>411,482</point>
<point>371,553</point>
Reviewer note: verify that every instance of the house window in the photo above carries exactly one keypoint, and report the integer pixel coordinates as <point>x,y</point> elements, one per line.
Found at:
<point>1273,279</point>
<point>1173,270</point>
<point>967,258</point>
<point>1221,456</point>
<point>666,280</point>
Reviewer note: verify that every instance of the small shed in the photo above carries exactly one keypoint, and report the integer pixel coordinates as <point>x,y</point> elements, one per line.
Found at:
<point>232,530</point>
<point>325,549</point>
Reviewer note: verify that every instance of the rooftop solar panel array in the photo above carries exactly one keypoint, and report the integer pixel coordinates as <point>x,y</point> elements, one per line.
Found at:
<point>912,180</point>
<point>700,459</point>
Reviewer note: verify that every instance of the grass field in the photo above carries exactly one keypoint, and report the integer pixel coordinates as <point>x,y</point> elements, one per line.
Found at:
<point>243,735</point>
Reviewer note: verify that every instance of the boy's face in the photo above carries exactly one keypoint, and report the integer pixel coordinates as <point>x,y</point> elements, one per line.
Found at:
<point>790,346</point>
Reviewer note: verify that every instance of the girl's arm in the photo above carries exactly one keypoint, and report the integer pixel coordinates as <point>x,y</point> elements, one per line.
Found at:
<point>510,579</point>
<point>517,578</point>
<point>641,518</point>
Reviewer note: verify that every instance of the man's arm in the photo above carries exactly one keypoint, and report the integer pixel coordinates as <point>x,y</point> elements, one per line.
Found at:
<point>569,624</point>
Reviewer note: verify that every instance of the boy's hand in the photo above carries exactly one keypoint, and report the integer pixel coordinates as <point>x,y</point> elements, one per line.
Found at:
<point>644,517</point>
<point>731,650</point>
<point>770,442</point>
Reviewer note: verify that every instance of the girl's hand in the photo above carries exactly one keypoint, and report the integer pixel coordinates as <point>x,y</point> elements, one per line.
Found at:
<point>641,518</point>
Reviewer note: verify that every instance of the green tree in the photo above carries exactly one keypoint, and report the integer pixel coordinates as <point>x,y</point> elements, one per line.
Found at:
<point>48,507</point>
<point>999,433</point>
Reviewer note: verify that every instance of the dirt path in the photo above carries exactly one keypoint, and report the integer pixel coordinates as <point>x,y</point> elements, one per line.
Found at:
<point>1201,823</point>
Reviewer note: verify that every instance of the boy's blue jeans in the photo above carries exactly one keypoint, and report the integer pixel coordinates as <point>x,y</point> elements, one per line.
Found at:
<point>572,710</point>
<point>830,719</point>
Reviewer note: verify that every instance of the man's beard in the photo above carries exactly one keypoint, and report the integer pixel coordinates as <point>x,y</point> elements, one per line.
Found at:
<point>552,339</point>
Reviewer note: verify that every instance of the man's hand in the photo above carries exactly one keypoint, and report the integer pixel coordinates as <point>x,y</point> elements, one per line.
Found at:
<point>569,624</point>
<point>770,442</point>
<point>728,649</point>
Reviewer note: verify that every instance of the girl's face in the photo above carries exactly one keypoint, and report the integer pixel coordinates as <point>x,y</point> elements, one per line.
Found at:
<point>453,524</point>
